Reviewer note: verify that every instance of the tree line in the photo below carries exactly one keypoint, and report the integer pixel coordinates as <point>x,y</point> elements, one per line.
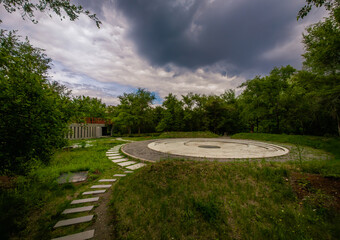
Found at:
<point>35,113</point>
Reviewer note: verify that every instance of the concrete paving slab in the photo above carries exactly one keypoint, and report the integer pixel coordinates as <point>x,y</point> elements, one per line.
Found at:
<point>112,154</point>
<point>85,200</point>
<point>217,148</point>
<point>116,157</point>
<point>120,160</point>
<point>101,186</point>
<point>77,210</point>
<point>136,166</point>
<point>119,175</point>
<point>94,192</point>
<point>108,180</point>
<point>72,177</point>
<point>73,221</point>
<point>128,171</point>
<point>78,236</point>
<point>126,163</point>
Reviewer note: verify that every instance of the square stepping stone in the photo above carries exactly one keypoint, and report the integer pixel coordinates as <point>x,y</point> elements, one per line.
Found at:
<point>73,221</point>
<point>101,186</point>
<point>72,177</point>
<point>116,157</point>
<point>77,210</point>
<point>119,175</point>
<point>120,160</point>
<point>94,192</point>
<point>78,236</point>
<point>126,163</point>
<point>108,180</point>
<point>85,200</point>
<point>136,166</point>
<point>128,171</point>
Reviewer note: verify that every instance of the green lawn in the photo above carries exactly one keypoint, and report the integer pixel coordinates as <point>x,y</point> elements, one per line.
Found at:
<point>210,200</point>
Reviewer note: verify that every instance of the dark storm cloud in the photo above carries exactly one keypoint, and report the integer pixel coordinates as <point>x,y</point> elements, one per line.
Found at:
<point>193,34</point>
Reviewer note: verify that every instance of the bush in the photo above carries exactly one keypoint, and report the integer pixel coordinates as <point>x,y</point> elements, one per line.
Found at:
<point>33,112</point>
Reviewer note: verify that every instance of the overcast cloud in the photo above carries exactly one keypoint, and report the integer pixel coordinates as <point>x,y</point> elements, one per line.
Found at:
<point>178,46</point>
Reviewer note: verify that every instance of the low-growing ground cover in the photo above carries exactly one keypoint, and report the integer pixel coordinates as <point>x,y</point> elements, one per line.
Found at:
<point>177,199</point>
<point>31,205</point>
<point>210,200</point>
<point>329,167</point>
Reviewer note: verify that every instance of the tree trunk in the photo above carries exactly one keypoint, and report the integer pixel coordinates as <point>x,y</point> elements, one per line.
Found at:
<point>257,125</point>
<point>139,130</point>
<point>129,130</point>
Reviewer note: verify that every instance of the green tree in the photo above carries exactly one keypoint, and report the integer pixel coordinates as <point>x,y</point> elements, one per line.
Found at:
<point>262,99</point>
<point>85,106</point>
<point>322,57</point>
<point>172,118</point>
<point>34,113</point>
<point>134,109</point>
<point>28,8</point>
<point>328,4</point>
<point>322,47</point>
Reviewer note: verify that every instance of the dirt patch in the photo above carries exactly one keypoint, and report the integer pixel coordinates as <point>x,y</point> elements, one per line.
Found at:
<point>323,191</point>
<point>7,182</point>
<point>103,225</point>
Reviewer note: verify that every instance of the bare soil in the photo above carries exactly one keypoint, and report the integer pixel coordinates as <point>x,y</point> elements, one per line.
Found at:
<point>103,224</point>
<point>307,185</point>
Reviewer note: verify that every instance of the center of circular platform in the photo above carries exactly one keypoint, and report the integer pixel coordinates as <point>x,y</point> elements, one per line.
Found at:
<point>217,148</point>
<point>208,146</point>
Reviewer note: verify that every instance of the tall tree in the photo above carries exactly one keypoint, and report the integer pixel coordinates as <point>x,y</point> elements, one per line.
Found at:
<point>34,113</point>
<point>172,118</point>
<point>134,109</point>
<point>322,56</point>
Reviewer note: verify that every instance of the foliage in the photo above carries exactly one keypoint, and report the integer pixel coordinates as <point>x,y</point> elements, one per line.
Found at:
<point>322,45</point>
<point>328,4</point>
<point>172,115</point>
<point>33,112</point>
<point>329,167</point>
<point>187,135</point>
<point>262,99</point>
<point>28,8</point>
<point>84,106</point>
<point>34,204</point>
<point>134,110</point>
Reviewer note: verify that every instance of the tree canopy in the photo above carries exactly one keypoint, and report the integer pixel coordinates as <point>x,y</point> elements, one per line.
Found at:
<point>28,9</point>
<point>34,113</point>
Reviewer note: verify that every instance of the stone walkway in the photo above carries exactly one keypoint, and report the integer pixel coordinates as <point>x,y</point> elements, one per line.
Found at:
<point>103,184</point>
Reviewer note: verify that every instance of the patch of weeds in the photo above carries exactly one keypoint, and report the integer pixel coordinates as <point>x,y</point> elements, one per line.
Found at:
<point>209,208</point>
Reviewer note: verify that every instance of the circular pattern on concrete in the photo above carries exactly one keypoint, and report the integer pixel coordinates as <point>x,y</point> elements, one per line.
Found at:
<point>217,148</point>
<point>220,149</point>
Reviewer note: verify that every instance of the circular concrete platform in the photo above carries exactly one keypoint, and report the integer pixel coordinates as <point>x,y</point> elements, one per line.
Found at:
<point>220,149</point>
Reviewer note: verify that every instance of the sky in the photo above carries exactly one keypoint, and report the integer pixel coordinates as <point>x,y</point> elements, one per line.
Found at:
<point>167,46</point>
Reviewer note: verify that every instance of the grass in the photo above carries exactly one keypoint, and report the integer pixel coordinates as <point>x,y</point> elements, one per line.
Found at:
<point>210,200</point>
<point>330,167</point>
<point>173,135</point>
<point>32,207</point>
<point>183,199</point>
